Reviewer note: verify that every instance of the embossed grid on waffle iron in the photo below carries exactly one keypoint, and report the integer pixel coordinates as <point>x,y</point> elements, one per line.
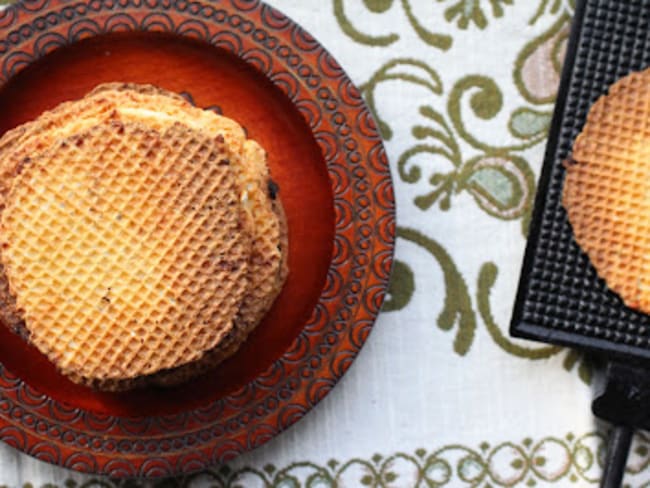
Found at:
<point>204,186</point>
<point>564,291</point>
<point>272,385</point>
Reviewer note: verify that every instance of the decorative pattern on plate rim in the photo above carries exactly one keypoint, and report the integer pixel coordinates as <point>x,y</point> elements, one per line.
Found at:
<point>356,280</point>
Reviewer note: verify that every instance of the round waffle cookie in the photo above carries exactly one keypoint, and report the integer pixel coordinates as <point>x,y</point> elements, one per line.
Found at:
<point>124,249</point>
<point>263,220</point>
<point>607,187</point>
<point>268,270</point>
<point>159,109</point>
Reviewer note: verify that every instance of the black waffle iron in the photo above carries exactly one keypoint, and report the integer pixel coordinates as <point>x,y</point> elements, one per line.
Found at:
<point>560,299</point>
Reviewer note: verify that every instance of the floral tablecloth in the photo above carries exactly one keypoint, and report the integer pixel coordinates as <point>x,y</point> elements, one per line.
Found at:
<point>440,395</point>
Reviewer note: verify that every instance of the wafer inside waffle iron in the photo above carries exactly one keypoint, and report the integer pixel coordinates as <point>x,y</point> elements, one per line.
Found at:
<point>585,273</point>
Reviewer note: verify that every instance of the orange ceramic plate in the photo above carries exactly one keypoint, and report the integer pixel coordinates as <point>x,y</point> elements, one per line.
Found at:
<point>254,65</point>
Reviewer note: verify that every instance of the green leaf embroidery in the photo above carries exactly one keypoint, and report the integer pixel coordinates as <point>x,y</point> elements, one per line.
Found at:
<point>585,368</point>
<point>526,123</point>
<point>434,39</point>
<point>400,290</point>
<point>487,278</point>
<point>457,306</point>
<point>486,102</point>
<point>441,41</point>
<point>348,28</point>
<point>468,11</point>
<point>552,7</point>
<point>408,70</point>
<point>501,182</point>
<point>378,6</point>
<point>503,186</point>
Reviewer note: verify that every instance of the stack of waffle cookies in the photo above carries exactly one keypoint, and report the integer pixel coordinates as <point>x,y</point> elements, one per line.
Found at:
<point>142,237</point>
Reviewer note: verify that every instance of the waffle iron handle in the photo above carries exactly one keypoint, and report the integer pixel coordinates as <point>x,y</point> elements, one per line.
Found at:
<point>618,448</point>
<point>622,399</point>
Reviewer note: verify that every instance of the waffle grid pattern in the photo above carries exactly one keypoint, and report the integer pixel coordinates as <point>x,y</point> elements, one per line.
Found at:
<point>265,273</point>
<point>561,298</point>
<point>156,223</point>
<point>605,190</point>
<point>158,109</point>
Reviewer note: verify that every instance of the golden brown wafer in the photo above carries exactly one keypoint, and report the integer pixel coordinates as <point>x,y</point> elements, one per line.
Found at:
<point>267,224</point>
<point>124,249</point>
<point>607,189</point>
<point>159,109</point>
